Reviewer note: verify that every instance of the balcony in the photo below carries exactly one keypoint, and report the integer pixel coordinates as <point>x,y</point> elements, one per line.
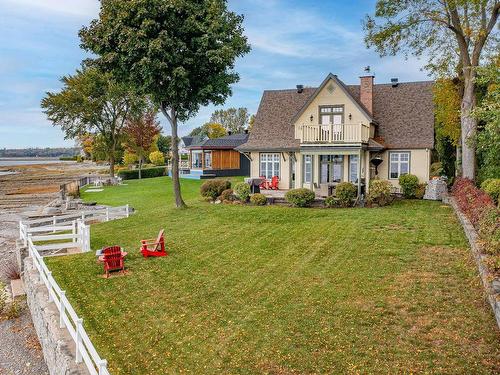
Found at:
<point>334,133</point>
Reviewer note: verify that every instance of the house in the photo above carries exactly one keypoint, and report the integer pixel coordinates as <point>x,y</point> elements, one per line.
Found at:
<point>217,157</point>
<point>312,137</point>
<point>185,142</point>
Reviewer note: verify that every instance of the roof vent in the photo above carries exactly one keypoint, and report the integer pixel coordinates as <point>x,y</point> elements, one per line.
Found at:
<point>246,131</point>
<point>300,88</point>
<point>229,132</point>
<point>394,82</point>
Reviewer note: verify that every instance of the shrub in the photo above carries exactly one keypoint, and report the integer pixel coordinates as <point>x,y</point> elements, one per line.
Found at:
<point>471,200</point>
<point>3,297</point>
<point>420,192</point>
<point>157,158</point>
<point>436,169</point>
<point>346,193</point>
<point>258,199</point>
<point>79,159</point>
<point>409,185</point>
<point>380,192</point>
<point>301,197</point>
<point>227,195</point>
<point>129,158</point>
<point>213,188</point>
<point>489,230</point>
<point>492,187</point>
<point>242,191</point>
<point>13,311</point>
<point>9,270</point>
<point>332,201</point>
<point>145,173</point>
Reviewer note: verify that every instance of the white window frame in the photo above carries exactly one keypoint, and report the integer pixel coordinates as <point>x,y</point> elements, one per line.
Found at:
<point>269,165</point>
<point>398,162</point>
<point>308,160</point>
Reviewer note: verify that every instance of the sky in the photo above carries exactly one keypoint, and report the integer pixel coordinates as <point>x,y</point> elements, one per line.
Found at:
<point>293,42</point>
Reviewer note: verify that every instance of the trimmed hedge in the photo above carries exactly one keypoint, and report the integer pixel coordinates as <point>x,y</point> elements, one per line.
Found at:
<point>301,197</point>
<point>227,195</point>
<point>258,199</point>
<point>213,188</point>
<point>380,192</point>
<point>346,193</point>
<point>242,191</point>
<point>145,173</point>
<point>409,185</point>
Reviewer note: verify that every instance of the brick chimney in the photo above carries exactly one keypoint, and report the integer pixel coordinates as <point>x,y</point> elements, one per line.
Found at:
<point>366,91</point>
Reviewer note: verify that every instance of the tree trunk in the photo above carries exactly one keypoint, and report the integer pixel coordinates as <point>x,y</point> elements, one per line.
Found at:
<point>172,118</point>
<point>140,167</point>
<point>112,162</point>
<point>468,126</point>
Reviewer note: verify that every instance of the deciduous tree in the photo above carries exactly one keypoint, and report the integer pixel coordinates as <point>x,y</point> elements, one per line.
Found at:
<point>443,29</point>
<point>180,53</point>
<point>234,120</point>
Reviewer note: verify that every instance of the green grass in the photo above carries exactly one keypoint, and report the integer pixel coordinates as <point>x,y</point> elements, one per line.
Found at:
<point>281,290</point>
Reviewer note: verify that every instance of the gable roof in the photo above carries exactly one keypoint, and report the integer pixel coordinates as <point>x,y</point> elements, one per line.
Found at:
<point>226,142</point>
<point>404,114</point>
<point>189,140</point>
<point>344,89</point>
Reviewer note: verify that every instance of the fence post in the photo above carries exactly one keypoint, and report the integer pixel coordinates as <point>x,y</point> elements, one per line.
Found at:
<point>107,214</point>
<point>127,210</point>
<point>62,309</point>
<point>87,237</point>
<point>73,231</point>
<point>79,326</point>
<point>103,364</point>
<point>54,220</point>
<point>21,230</point>
<point>49,286</point>
<point>83,216</point>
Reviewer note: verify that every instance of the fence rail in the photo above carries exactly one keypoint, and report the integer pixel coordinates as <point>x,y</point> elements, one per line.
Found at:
<point>85,350</point>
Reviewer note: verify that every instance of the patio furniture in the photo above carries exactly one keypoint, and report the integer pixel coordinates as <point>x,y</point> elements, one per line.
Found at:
<point>274,183</point>
<point>254,183</point>
<point>154,248</point>
<point>264,184</point>
<point>113,259</point>
<point>324,190</point>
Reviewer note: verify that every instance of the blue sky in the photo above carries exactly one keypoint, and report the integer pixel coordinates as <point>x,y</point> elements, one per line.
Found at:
<point>293,42</point>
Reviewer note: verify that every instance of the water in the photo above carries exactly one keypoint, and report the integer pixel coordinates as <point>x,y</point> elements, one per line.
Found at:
<point>8,162</point>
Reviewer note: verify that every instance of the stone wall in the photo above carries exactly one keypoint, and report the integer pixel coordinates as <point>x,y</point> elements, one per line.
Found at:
<point>57,345</point>
<point>493,294</point>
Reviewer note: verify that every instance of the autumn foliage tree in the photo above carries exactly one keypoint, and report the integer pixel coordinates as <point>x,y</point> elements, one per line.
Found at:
<point>141,132</point>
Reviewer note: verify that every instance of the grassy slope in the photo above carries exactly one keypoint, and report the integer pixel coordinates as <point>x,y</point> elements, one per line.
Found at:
<point>282,290</point>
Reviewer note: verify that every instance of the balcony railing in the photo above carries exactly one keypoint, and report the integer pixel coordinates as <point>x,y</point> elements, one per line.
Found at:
<point>334,133</point>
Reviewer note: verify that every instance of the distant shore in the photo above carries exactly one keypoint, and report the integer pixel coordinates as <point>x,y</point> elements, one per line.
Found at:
<point>10,162</point>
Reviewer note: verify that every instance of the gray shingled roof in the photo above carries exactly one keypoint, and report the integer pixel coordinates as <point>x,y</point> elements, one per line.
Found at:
<point>228,141</point>
<point>190,140</point>
<point>405,116</point>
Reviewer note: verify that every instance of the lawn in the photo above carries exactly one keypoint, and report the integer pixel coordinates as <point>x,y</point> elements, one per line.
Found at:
<point>281,290</point>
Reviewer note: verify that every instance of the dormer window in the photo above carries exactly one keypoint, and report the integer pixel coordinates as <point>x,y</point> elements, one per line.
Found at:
<point>332,114</point>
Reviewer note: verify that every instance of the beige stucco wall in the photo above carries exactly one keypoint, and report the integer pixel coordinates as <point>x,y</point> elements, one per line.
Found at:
<point>337,97</point>
<point>419,165</point>
<point>284,168</point>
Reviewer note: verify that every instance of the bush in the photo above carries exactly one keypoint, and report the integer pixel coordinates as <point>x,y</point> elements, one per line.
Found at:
<point>213,188</point>
<point>79,159</point>
<point>129,158</point>
<point>242,191</point>
<point>380,192</point>
<point>471,200</point>
<point>492,187</point>
<point>300,197</point>
<point>157,158</point>
<point>489,230</point>
<point>409,185</point>
<point>227,195</point>
<point>420,192</point>
<point>346,193</point>
<point>332,201</point>
<point>145,173</point>
<point>436,169</point>
<point>258,199</point>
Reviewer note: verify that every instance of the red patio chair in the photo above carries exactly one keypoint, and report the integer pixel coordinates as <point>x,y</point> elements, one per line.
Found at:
<point>264,184</point>
<point>274,183</point>
<point>113,260</point>
<point>154,248</point>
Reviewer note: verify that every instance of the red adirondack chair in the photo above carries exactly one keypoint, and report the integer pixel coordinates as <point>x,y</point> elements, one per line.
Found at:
<point>113,260</point>
<point>274,183</point>
<point>154,248</point>
<point>264,184</point>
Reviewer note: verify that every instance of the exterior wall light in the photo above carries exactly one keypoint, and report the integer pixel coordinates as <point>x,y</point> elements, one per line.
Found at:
<point>350,116</point>
<point>311,118</point>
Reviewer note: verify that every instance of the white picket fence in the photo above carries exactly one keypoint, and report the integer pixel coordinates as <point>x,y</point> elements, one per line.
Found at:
<point>85,350</point>
<point>76,233</point>
<point>102,214</point>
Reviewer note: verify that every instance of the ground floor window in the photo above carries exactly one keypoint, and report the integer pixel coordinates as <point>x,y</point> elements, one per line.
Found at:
<point>399,164</point>
<point>307,169</point>
<point>196,159</point>
<point>353,168</point>
<point>208,159</point>
<point>269,165</point>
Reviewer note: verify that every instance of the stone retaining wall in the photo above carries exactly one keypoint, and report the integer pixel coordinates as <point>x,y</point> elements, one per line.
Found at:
<point>492,295</point>
<point>57,346</point>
